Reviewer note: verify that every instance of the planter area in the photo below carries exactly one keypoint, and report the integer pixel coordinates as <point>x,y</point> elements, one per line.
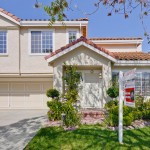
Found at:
<point>92,117</point>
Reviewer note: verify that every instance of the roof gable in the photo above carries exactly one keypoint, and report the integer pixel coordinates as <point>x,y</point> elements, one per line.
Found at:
<point>10,16</point>
<point>82,41</point>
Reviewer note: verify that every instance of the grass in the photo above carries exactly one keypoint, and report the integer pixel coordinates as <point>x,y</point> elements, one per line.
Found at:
<point>89,138</point>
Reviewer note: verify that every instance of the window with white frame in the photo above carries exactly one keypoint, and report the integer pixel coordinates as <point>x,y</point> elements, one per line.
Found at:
<point>3,41</point>
<point>72,36</point>
<point>142,82</point>
<point>41,42</point>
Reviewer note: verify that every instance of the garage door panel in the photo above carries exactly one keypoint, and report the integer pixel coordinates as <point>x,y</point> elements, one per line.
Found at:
<point>17,100</point>
<point>24,95</point>
<point>34,100</point>
<point>33,87</point>
<point>45,99</point>
<point>17,87</point>
<point>4,100</point>
<point>4,87</point>
<point>47,86</point>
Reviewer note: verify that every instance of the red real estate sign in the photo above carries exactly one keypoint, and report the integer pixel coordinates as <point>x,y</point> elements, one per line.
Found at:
<point>129,93</point>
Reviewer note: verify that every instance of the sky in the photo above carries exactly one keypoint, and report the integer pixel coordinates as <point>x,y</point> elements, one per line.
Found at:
<point>100,25</point>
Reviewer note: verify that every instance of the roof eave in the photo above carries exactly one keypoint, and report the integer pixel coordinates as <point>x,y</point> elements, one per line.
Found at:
<point>132,63</point>
<point>57,23</point>
<point>117,41</point>
<point>53,58</point>
<point>10,18</point>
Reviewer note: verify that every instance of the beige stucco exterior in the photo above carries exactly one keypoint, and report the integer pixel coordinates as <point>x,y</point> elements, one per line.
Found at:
<point>87,59</point>
<point>9,63</point>
<point>25,77</point>
<point>122,47</point>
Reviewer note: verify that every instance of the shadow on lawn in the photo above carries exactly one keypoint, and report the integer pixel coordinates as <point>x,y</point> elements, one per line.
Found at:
<point>88,138</point>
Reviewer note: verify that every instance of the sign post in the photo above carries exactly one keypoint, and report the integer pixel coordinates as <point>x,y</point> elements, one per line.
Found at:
<point>120,107</point>
<point>129,78</point>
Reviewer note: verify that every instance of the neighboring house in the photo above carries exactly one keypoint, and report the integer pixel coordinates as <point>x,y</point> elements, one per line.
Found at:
<point>25,75</point>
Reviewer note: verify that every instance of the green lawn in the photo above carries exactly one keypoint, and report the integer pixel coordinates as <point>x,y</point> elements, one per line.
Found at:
<point>89,138</point>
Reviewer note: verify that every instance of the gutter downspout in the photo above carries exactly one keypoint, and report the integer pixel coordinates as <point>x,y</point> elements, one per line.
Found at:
<point>19,54</point>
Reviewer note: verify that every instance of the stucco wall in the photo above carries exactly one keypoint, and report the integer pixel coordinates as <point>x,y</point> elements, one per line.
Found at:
<point>122,47</point>
<point>35,63</point>
<point>31,63</point>
<point>82,56</point>
<point>6,23</point>
<point>10,63</point>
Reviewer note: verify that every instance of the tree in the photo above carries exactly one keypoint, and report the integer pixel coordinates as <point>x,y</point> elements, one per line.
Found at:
<point>57,9</point>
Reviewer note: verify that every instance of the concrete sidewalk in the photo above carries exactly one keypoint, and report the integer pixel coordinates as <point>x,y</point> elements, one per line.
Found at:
<point>18,127</point>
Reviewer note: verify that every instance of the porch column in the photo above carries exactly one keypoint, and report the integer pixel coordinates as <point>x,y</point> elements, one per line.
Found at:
<point>57,78</point>
<point>106,74</point>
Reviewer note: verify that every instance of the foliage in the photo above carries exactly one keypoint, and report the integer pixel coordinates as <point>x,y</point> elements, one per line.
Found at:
<point>53,93</point>
<point>58,108</point>
<point>72,81</point>
<point>90,138</point>
<point>112,119</point>
<point>141,111</point>
<point>146,114</point>
<point>111,104</point>
<point>72,117</point>
<point>56,10</point>
<point>55,110</point>
<point>113,90</point>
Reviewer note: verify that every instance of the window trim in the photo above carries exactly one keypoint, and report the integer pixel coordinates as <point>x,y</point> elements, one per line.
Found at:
<point>5,54</point>
<point>140,72</point>
<point>67,34</point>
<point>29,41</point>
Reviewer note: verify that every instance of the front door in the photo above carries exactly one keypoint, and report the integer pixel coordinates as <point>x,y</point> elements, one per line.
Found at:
<point>90,89</point>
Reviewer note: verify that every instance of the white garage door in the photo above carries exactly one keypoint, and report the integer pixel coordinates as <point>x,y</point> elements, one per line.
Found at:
<point>24,95</point>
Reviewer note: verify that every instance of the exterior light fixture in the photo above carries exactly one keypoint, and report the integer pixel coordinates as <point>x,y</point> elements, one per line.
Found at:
<point>100,75</point>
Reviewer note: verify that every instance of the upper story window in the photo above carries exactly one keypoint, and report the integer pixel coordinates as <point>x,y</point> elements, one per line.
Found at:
<point>72,36</point>
<point>41,42</point>
<point>3,45</point>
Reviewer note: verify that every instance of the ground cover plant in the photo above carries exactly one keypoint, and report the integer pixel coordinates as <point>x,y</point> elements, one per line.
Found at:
<point>89,138</point>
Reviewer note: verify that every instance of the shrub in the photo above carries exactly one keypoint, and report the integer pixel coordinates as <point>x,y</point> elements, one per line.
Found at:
<point>113,116</point>
<point>52,93</point>
<point>146,114</point>
<point>111,104</point>
<point>55,110</point>
<point>113,92</point>
<point>72,80</point>
<point>141,111</point>
<point>127,120</point>
<point>137,114</point>
<point>72,117</point>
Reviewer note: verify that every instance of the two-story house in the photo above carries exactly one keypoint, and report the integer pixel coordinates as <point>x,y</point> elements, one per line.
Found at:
<point>25,75</point>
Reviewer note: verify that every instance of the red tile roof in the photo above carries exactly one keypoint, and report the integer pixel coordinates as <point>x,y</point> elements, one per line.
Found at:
<point>80,19</point>
<point>116,55</point>
<point>81,39</point>
<point>18,19</point>
<point>132,55</point>
<point>10,15</point>
<point>117,38</point>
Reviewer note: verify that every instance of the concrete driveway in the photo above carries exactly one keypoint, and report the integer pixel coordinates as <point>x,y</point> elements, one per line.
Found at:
<point>18,127</point>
